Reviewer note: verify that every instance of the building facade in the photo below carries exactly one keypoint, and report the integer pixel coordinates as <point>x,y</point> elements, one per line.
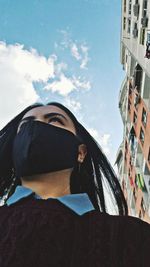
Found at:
<point>133,158</point>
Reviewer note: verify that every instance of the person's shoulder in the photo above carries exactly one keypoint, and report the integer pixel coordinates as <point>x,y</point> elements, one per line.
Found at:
<point>120,229</point>
<point>4,213</point>
<point>126,220</point>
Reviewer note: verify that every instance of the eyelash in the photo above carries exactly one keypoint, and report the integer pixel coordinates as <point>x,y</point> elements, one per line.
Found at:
<point>56,119</point>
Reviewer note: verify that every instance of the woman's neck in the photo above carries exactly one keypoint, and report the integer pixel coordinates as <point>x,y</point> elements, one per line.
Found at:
<point>54,184</point>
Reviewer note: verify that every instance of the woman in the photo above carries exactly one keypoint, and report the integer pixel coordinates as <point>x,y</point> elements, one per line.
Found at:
<point>55,213</point>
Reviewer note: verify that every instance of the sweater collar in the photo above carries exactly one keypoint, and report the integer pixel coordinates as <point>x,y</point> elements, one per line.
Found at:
<point>79,203</point>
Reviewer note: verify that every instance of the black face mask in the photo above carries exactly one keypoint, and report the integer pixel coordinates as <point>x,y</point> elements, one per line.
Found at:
<point>41,148</point>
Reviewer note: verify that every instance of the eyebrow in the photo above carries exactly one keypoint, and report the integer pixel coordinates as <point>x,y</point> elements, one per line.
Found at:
<point>49,115</point>
<point>46,116</point>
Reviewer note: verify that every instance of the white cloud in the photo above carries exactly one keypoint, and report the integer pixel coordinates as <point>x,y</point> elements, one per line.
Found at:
<point>102,139</point>
<point>85,57</point>
<point>84,48</point>
<point>19,69</point>
<point>105,138</point>
<point>80,53</point>
<point>78,50</point>
<point>81,83</point>
<point>28,64</point>
<point>94,133</point>
<point>75,51</point>
<point>60,67</point>
<point>104,142</point>
<point>72,104</point>
<point>65,85</point>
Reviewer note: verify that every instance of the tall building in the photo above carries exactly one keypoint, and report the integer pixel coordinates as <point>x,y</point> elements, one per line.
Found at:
<point>133,157</point>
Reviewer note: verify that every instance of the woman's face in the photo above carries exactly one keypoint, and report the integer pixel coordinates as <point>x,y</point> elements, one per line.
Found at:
<point>50,114</point>
<point>55,116</point>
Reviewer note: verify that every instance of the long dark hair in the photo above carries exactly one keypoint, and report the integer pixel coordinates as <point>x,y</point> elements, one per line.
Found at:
<point>90,177</point>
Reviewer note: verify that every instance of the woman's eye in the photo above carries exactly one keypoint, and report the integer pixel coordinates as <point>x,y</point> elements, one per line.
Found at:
<point>55,119</point>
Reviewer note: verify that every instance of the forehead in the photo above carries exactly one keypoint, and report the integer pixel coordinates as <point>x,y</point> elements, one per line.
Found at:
<point>41,111</point>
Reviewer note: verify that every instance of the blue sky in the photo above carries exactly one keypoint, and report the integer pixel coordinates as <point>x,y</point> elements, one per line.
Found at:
<point>68,51</point>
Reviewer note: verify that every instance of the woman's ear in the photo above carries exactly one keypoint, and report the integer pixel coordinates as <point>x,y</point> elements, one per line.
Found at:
<point>82,151</point>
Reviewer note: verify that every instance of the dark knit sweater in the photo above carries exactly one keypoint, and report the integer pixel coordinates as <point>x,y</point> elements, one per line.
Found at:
<point>46,233</point>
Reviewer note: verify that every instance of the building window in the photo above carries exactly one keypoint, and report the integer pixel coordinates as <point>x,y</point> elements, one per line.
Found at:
<point>138,72</point>
<point>126,145</point>
<point>149,156</point>
<point>147,55</point>
<point>134,118</point>
<point>142,136</point>
<point>136,9</point>
<point>134,194</point>
<point>135,30</point>
<point>129,25</point>
<point>142,36</point>
<point>130,6</point>
<point>130,88</point>
<point>129,106</point>
<point>145,4</point>
<point>136,182</point>
<point>133,143</point>
<point>129,173</point>
<point>144,19</point>
<point>143,208</point>
<point>144,117</point>
<point>140,214</point>
<point>123,185</point>
<point>124,23</point>
<point>137,100</point>
<point>125,5</point>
